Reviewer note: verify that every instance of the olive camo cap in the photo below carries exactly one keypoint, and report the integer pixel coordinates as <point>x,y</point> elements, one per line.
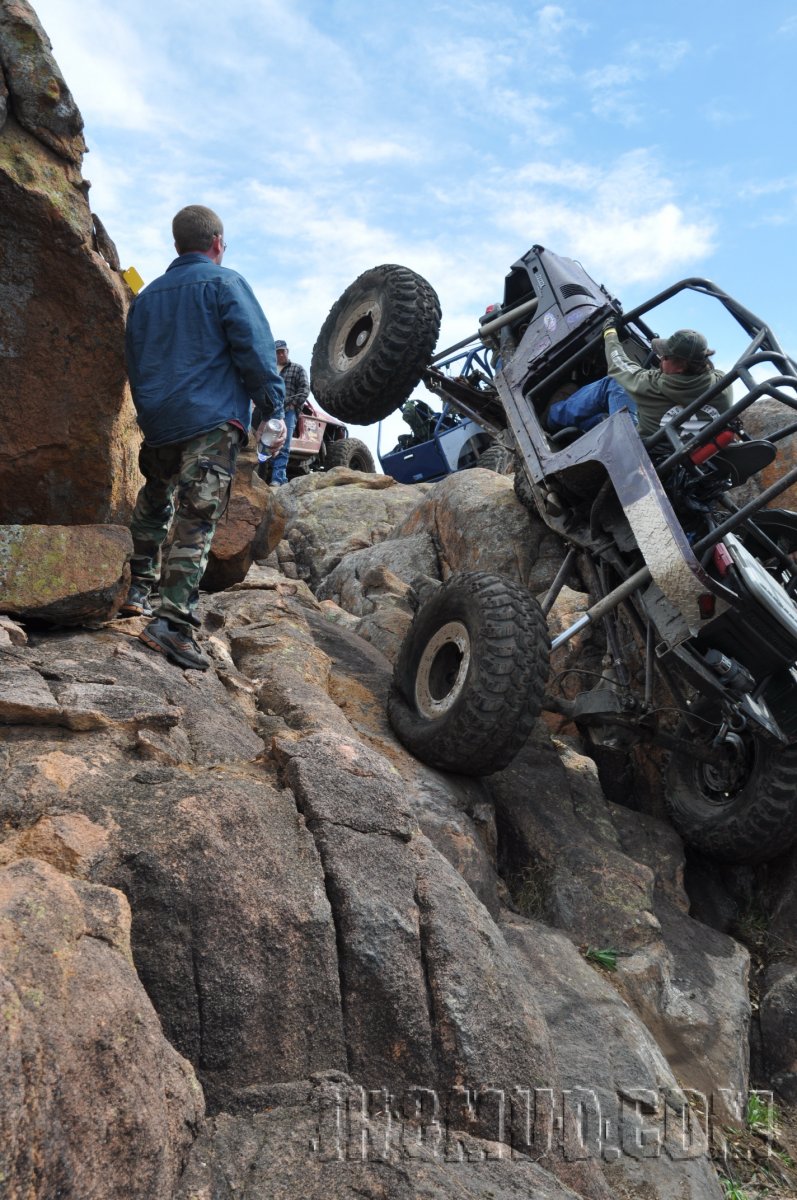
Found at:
<point>687,344</point>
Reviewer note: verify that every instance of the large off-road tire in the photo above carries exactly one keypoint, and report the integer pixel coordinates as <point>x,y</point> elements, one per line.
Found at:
<point>349,452</point>
<point>374,344</point>
<point>497,458</point>
<point>522,485</point>
<point>470,676</point>
<point>780,526</point>
<point>744,812</point>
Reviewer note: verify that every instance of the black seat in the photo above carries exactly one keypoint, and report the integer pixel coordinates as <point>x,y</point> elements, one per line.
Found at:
<point>741,460</point>
<point>564,437</point>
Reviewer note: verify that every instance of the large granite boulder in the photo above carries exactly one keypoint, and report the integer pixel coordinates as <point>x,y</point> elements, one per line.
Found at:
<point>761,419</point>
<point>379,973</point>
<point>94,1102</point>
<point>319,519</point>
<point>360,541</point>
<point>325,1139</point>
<point>240,535</point>
<point>64,575</point>
<point>471,521</point>
<point>772,917</point>
<point>69,451</point>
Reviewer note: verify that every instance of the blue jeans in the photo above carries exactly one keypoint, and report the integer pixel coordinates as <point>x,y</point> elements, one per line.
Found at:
<point>590,405</point>
<point>281,461</point>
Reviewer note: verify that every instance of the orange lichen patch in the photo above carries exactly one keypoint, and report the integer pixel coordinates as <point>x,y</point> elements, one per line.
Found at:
<point>70,842</point>
<point>358,703</point>
<point>62,770</point>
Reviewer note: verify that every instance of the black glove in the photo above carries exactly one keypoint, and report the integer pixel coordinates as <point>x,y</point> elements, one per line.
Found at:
<point>611,322</point>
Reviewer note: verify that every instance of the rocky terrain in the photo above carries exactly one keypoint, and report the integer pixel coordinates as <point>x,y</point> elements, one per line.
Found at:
<point>248,941</point>
<point>250,946</point>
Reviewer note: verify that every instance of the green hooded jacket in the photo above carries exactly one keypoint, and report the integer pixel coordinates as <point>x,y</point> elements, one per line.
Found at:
<point>656,393</point>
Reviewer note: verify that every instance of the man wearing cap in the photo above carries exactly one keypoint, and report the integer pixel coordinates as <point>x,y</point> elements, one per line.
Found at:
<point>685,372</point>
<point>297,389</point>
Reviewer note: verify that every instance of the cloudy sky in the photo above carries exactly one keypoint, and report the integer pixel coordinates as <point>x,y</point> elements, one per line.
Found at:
<point>651,142</point>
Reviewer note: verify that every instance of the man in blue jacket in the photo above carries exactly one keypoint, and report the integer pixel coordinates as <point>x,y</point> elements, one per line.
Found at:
<point>199,353</point>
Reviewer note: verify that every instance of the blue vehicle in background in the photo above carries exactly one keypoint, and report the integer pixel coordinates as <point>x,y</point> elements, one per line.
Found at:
<point>450,444</point>
<point>441,443</point>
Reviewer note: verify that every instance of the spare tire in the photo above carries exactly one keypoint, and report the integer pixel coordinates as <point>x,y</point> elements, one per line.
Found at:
<point>349,452</point>
<point>374,345</point>
<point>469,679</point>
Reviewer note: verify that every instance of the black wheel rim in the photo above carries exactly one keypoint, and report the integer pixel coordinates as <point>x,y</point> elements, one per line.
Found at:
<point>720,784</point>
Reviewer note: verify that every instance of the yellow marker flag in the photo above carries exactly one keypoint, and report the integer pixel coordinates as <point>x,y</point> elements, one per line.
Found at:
<point>133,280</point>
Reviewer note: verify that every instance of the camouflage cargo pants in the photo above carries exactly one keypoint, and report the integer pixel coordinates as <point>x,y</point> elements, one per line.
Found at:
<point>187,490</point>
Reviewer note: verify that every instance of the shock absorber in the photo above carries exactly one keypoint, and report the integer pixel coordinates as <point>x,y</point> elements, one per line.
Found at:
<point>736,678</point>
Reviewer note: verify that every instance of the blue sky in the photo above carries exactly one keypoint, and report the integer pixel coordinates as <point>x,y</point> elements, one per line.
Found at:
<point>650,142</point>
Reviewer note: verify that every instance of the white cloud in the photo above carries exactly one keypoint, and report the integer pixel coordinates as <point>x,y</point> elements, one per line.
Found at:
<point>622,220</point>
<point>639,248</point>
<point>470,60</point>
<point>553,22</point>
<point>612,75</point>
<point>365,150</point>
<point>772,187</point>
<point>614,86</point>
<point>722,112</point>
<point>662,56</point>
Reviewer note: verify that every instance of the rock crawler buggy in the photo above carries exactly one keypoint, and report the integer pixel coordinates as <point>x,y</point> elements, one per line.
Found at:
<point>699,589</point>
<point>319,443</point>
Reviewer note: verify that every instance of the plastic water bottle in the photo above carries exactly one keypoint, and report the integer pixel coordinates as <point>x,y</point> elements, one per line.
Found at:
<point>268,437</point>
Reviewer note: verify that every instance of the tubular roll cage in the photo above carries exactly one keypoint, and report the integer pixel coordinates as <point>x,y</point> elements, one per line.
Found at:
<point>542,461</point>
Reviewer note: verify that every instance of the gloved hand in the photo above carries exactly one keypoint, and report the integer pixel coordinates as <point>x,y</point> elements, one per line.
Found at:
<point>611,322</point>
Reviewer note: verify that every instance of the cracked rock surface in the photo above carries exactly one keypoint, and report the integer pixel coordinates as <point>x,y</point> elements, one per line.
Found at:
<point>308,902</point>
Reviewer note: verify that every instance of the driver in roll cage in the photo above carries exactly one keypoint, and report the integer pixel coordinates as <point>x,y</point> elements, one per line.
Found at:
<point>685,372</point>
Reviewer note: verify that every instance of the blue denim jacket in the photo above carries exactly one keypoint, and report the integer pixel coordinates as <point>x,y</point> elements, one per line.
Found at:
<point>199,351</point>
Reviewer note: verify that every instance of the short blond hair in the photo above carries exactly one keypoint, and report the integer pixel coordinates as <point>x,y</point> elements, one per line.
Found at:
<point>195,227</point>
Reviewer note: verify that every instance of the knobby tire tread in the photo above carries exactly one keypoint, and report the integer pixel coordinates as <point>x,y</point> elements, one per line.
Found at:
<point>496,458</point>
<point>498,707</point>
<point>350,452</point>
<point>754,832</point>
<point>522,485</point>
<point>382,380</point>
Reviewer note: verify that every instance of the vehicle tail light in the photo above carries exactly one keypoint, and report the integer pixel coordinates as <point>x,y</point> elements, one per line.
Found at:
<point>707,604</point>
<point>703,452</point>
